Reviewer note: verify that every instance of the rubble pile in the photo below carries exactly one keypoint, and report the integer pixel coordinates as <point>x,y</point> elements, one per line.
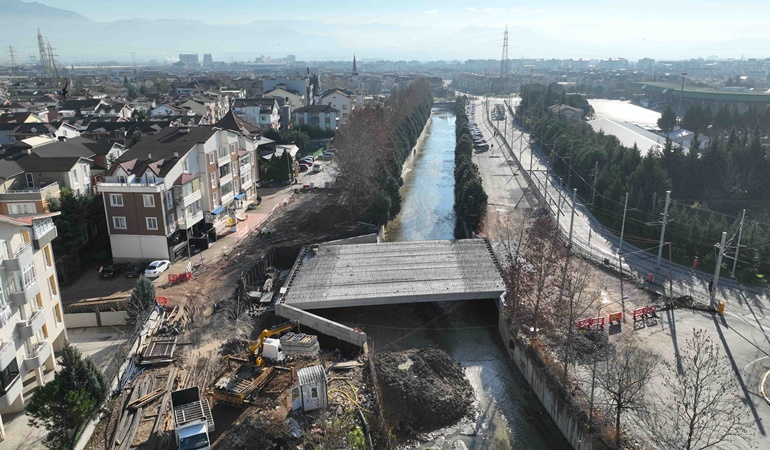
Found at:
<point>422,389</point>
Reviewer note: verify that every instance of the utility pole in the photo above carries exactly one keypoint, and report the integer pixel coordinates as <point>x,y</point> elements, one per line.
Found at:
<point>572,218</point>
<point>681,94</point>
<point>663,228</point>
<point>569,166</point>
<point>738,245</point>
<point>593,193</point>
<point>713,293</point>
<point>620,260</point>
<point>558,208</point>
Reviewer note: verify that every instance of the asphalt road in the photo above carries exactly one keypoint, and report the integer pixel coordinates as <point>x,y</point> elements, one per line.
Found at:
<point>744,330</point>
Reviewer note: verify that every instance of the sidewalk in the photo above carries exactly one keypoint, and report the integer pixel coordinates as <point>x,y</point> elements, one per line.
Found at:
<point>593,240</point>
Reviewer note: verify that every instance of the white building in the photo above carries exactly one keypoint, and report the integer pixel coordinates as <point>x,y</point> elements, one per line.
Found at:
<point>260,112</point>
<point>339,99</point>
<point>322,116</point>
<point>311,390</point>
<point>31,320</point>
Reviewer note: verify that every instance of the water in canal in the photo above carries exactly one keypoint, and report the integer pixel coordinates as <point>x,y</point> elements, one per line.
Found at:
<point>510,416</point>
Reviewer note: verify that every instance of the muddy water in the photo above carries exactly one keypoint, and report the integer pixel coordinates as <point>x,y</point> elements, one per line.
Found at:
<point>510,416</point>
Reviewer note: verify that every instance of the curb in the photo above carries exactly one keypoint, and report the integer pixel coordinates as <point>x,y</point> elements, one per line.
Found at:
<point>762,387</point>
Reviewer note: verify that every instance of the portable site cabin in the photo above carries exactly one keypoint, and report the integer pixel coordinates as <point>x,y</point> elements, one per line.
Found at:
<point>310,393</point>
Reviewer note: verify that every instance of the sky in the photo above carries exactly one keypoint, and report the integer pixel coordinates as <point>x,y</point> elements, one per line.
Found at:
<point>582,29</point>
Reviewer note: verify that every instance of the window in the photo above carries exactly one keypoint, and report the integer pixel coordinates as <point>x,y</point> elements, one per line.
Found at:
<point>169,199</point>
<point>226,188</point>
<point>118,222</point>
<point>2,295</point>
<point>185,166</point>
<point>232,149</point>
<point>211,158</point>
<point>148,200</point>
<point>344,107</point>
<point>116,199</point>
<point>39,301</point>
<point>152,223</point>
<point>234,168</point>
<point>52,285</point>
<point>171,221</point>
<point>222,152</point>
<point>224,170</point>
<point>45,331</point>
<point>75,177</point>
<point>215,199</point>
<point>213,180</point>
<point>122,179</point>
<point>21,208</point>
<point>47,255</point>
<point>30,180</point>
<point>28,275</point>
<point>57,313</point>
<point>8,376</point>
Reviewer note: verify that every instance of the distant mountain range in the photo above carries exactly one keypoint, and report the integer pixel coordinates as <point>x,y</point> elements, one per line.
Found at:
<point>76,38</point>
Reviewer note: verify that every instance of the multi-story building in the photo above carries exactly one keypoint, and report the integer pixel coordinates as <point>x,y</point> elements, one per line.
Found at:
<point>31,321</point>
<point>189,59</point>
<point>180,185</point>
<point>323,116</point>
<point>260,112</point>
<point>339,99</point>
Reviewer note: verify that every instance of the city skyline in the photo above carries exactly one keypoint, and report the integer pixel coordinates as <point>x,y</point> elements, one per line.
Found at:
<point>428,30</point>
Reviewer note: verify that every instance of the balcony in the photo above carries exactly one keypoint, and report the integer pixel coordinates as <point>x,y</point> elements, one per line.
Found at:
<point>35,193</point>
<point>190,220</point>
<point>190,199</point>
<point>140,187</point>
<point>7,353</point>
<point>28,328</point>
<point>43,232</point>
<point>20,258</point>
<point>13,390</point>
<point>39,354</point>
<point>20,297</point>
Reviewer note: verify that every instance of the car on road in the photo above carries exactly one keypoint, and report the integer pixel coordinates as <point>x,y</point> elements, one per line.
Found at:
<point>111,271</point>
<point>317,167</point>
<point>156,268</point>
<point>134,270</point>
<point>326,155</point>
<point>303,167</point>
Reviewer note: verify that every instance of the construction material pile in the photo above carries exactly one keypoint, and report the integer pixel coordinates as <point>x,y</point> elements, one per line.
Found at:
<point>422,389</point>
<point>300,344</point>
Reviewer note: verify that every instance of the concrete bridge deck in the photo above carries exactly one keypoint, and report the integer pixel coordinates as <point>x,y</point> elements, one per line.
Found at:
<point>333,276</point>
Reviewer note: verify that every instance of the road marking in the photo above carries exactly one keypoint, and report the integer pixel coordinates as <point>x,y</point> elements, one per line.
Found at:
<point>756,360</point>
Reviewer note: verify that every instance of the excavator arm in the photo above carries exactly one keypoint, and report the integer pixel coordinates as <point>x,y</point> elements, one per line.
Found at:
<point>255,350</point>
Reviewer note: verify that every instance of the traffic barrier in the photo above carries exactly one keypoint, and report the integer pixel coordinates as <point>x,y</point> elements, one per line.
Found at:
<point>616,317</point>
<point>590,322</point>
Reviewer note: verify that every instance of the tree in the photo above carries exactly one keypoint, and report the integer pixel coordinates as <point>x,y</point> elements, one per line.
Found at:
<point>78,214</point>
<point>142,301</point>
<point>700,409</point>
<point>667,120</point>
<point>622,378</point>
<point>63,405</point>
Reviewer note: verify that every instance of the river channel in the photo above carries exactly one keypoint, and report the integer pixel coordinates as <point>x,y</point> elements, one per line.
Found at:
<point>509,414</point>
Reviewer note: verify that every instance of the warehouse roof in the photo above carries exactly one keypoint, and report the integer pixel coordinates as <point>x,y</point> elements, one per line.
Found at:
<point>331,276</point>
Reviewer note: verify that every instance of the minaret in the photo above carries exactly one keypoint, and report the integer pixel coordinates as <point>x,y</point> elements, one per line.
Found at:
<point>355,74</point>
<point>355,70</point>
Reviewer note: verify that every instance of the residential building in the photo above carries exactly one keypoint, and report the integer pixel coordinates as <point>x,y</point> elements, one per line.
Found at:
<point>189,59</point>
<point>31,320</point>
<point>303,85</point>
<point>183,184</point>
<point>323,116</point>
<point>208,61</point>
<point>339,99</point>
<point>210,105</point>
<point>293,98</point>
<point>566,112</point>
<point>261,112</point>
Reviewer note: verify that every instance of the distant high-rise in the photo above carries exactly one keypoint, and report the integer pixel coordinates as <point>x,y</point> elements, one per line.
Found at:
<point>291,58</point>
<point>190,59</point>
<point>208,61</point>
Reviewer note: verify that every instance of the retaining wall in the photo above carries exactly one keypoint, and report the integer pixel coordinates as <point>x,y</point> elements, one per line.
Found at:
<point>95,319</point>
<point>572,424</point>
<point>321,324</point>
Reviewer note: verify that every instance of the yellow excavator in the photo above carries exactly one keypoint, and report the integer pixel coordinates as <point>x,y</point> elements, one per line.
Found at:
<point>270,347</point>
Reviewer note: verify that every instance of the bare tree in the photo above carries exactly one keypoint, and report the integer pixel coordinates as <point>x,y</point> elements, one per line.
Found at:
<point>622,378</point>
<point>700,409</point>
<point>575,300</point>
<point>544,251</point>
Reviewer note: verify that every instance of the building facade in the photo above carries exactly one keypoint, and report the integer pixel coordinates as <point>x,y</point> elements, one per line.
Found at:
<point>31,320</point>
<point>323,116</point>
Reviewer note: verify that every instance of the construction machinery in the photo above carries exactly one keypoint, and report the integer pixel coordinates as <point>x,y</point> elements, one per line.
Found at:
<point>236,386</point>
<point>192,419</point>
<point>269,348</point>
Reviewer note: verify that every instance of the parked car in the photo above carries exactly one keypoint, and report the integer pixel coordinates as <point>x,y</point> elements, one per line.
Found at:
<point>134,270</point>
<point>156,268</point>
<point>303,167</point>
<point>310,159</point>
<point>111,271</point>
<point>317,167</point>
<point>326,155</point>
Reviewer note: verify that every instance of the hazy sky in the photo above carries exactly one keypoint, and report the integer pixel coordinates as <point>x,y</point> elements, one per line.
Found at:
<point>642,28</point>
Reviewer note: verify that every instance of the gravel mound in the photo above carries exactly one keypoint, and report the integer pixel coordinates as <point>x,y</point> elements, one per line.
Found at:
<point>423,389</point>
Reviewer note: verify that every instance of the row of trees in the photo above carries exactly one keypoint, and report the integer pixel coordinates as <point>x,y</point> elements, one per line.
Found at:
<point>700,117</point>
<point>709,188</point>
<point>548,290</point>
<point>470,198</point>
<point>372,147</point>
<point>299,136</point>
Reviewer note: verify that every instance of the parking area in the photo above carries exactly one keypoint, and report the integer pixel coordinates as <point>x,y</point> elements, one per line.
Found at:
<point>90,285</point>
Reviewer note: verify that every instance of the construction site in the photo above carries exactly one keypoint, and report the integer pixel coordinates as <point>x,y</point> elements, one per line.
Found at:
<point>217,367</point>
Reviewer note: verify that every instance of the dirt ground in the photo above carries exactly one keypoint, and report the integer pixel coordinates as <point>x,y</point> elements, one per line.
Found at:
<point>216,311</point>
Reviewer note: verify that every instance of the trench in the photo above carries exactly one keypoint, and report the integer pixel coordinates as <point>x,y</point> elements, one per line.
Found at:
<point>509,414</point>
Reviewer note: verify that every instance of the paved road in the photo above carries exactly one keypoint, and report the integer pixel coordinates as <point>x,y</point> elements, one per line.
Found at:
<point>744,330</point>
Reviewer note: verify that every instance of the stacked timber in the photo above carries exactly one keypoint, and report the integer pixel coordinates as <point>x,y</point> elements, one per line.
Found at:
<point>300,344</point>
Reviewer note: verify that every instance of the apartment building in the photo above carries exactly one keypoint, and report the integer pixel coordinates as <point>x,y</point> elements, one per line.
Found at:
<point>260,112</point>
<point>31,321</point>
<point>183,184</point>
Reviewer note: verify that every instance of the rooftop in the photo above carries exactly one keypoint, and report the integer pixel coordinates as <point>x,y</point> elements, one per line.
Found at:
<point>629,134</point>
<point>395,272</point>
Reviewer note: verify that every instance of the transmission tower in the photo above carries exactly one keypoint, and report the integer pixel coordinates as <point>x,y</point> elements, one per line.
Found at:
<point>52,60</point>
<point>12,58</point>
<point>504,59</point>
<point>43,54</point>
